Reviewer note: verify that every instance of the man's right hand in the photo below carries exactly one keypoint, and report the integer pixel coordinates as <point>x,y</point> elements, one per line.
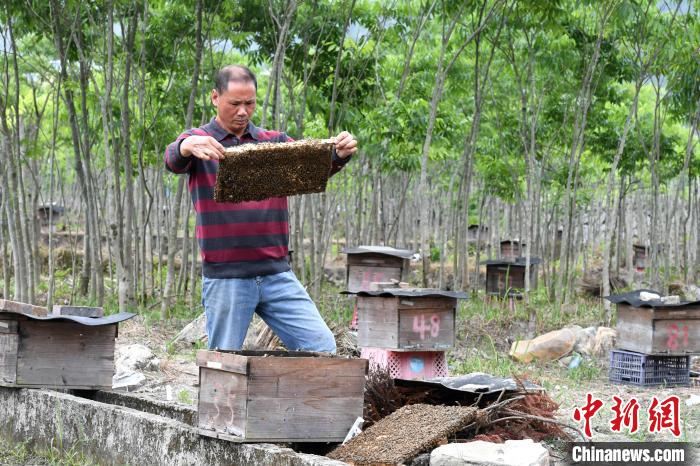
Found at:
<point>202,147</point>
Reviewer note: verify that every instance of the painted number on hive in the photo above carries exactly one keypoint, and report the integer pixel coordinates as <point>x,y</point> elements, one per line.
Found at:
<point>424,325</point>
<point>369,277</point>
<point>677,335</point>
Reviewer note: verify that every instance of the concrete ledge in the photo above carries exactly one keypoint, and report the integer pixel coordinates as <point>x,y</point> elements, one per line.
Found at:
<point>113,435</point>
<point>174,411</point>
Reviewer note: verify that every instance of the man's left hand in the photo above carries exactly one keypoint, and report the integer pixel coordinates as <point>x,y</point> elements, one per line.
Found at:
<point>345,145</point>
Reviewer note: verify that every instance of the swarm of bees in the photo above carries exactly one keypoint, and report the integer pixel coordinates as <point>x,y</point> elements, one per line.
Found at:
<point>253,172</point>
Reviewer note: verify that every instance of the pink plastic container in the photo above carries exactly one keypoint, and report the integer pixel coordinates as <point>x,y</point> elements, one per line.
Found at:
<point>407,364</point>
<point>353,322</point>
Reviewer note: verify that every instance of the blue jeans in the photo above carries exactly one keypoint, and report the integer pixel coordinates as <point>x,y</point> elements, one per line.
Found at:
<point>279,299</point>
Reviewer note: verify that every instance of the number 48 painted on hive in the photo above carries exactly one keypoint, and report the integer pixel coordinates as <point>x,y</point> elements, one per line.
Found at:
<point>421,326</point>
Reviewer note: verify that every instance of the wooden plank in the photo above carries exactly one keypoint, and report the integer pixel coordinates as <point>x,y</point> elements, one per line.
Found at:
<point>377,335</point>
<point>376,260</point>
<point>65,354</point>
<point>308,367</point>
<point>427,328</point>
<point>221,436</point>
<point>82,311</point>
<point>668,313</point>
<point>427,302</point>
<point>377,322</point>
<point>634,328</point>
<point>676,336</point>
<point>222,401</point>
<point>328,419</point>
<point>8,326</point>
<point>8,358</point>
<point>360,276</point>
<point>384,314</point>
<point>223,361</point>
<point>302,386</point>
<point>371,303</point>
<point>239,439</point>
<point>24,308</point>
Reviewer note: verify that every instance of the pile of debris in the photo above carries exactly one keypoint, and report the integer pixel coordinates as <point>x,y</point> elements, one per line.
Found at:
<point>405,418</point>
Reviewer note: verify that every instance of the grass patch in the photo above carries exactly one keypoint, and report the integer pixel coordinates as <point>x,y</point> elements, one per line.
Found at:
<point>587,370</point>
<point>14,453</point>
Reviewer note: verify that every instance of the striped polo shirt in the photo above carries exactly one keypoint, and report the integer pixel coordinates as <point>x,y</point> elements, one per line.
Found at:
<point>236,240</point>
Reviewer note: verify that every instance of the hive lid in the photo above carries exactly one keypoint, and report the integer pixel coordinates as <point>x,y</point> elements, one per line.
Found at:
<point>402,253</point>
<point>414,293</point>
<point>634,299</point>
<point>90,321</point>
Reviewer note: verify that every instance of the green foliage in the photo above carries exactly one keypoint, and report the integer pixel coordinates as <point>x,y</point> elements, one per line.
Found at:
<point>184,396</point>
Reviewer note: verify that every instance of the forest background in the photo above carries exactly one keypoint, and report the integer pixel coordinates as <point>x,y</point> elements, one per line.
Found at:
<point>571,126</point>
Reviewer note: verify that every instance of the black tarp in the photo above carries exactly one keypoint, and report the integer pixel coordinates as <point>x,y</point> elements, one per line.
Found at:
<point>91,321</point>
<point>633,298</point>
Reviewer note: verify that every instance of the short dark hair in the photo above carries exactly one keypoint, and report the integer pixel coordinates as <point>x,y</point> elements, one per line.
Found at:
<point>236,73</point>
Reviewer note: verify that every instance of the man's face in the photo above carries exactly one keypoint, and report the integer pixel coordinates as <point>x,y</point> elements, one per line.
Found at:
<point>235,106</point>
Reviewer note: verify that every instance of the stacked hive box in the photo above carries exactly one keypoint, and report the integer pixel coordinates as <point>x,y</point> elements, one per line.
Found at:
<point>655,339</point>
<point>68,349</point>
<point>505,277</point>
<point>374,264</point>
<point>407,331</point>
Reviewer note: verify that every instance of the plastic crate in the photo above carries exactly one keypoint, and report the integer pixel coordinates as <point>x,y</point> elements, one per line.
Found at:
<point>407,364</point>
<point>627,367</point>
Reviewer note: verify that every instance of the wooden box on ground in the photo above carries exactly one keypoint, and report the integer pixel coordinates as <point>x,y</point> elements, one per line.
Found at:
<point>507,278</point>
<point>279,396</point>
<point>407,319</point>
<point>367,264</point>
<point>57,351</point>
<point>658,329</point>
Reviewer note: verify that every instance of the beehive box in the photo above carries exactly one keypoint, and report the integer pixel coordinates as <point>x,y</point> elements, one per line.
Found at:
<point>400,319</point>
<point>279,396</point>
<point>507,278</point>
<point>639,260</point>
<point>63,351</point>
<point>368,264</point>
<point>512,249</point>
<point>653,327</point>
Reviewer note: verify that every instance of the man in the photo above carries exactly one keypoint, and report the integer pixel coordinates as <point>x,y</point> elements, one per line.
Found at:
<point>244,246</point>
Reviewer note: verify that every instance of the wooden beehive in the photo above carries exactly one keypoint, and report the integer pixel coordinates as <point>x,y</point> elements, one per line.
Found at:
<point>512,249</point>
<point>507,278</point>
<point>475,232</point>
<point>279,396</point>
<point>253,172</point>
<point>407,320</point>
<point>672,329</point>
<point>557,243</point>
<point>639,260</point>
<point>368,264</point>
<point>57,351</point>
